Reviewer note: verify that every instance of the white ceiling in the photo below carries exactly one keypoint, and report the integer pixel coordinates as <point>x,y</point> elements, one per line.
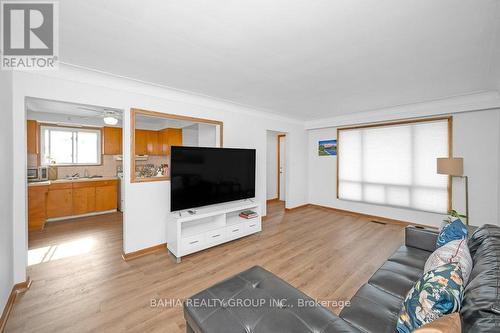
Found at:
<point>300,58</point>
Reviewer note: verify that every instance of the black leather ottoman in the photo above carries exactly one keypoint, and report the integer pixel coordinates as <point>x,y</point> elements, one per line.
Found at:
<point>258,301</point>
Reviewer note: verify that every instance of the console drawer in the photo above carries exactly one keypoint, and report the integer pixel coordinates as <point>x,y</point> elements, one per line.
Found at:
<point>235,230</point>
<point>253,225</point>
<point>192,242</point>
<point>215,236</point>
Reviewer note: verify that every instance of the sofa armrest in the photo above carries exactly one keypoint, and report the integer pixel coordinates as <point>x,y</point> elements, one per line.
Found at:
<point>421,238</point>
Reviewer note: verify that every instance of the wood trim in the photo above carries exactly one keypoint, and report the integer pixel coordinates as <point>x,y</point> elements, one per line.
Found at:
<point>402,122</point>
<point>143,252</point>
<point>371,217</point>
<point>16,289</point>
<point>450,154</point>
<point>23,286</point>
<point>8,309</point>
<point>136,111</point>
<point>279,158</point>
<point>296,208</point>
<point>397,122</point>
<point>272,200</point>
<point>338,158</point>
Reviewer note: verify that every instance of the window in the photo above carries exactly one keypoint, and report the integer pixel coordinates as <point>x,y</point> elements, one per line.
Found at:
<point>70,146</point>
<point>395,164</point>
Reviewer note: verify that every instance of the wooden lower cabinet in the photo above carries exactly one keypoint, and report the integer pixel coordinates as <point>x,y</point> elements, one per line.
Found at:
<point>60,200</point>
<point>37,207</point>
<point>70,199</point>
<point>106,197</point>
<point>84,200</point>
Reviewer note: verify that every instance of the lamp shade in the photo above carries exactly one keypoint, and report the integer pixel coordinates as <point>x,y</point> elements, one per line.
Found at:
<point>453,166</point>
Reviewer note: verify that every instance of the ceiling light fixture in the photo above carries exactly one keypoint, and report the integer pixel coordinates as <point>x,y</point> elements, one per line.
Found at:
<point>110,120</point>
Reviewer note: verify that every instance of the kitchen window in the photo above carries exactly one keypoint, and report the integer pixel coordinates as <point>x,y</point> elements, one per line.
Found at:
<point>70,146</point>
<point>395,164</point>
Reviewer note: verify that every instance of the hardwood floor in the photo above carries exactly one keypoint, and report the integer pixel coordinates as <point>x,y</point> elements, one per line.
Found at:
<point>325,254</point>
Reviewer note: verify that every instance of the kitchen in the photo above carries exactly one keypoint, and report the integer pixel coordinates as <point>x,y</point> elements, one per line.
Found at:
<point>75,157</point>
<point>73,169</point>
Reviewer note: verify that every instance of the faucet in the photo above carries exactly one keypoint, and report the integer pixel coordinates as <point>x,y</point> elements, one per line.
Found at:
<point>86,173</point>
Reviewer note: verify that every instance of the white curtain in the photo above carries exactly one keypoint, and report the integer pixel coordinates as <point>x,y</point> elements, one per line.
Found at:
<point>395,165</point>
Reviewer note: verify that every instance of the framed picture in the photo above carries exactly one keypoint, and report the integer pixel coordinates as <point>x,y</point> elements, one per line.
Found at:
<point>327,148</point>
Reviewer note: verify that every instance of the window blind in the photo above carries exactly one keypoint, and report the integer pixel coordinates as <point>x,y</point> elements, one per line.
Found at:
<point>394,165</point>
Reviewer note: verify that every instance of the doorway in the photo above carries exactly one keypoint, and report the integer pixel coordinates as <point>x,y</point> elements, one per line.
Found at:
<point>281,167</point>
<point>276,171</point>
<point>75,193</point>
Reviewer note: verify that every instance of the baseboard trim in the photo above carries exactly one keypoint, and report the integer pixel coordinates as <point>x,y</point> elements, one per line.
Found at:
<point>371,217</point>
<point>16,289</point>
<point>272,200</point>
<point>143,252</point>
<point>298,207</point>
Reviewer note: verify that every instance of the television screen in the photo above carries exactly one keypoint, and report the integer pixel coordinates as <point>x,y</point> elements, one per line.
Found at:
<point>204,176</point>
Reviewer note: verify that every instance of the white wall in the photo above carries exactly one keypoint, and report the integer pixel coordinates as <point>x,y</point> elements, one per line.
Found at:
<point>207,135</point>
<point>272,165</point>
<point>147,203</point>
<point>190,136</point>
<point>475,137</point>
<point>6,170</point>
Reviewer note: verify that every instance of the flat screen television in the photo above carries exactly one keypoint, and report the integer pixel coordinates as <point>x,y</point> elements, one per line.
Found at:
<point>202,176</point>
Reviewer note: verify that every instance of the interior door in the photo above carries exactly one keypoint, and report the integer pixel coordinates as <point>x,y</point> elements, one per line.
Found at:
<point>281,167</point>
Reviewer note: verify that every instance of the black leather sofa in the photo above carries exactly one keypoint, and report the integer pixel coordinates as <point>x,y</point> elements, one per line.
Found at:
<point>257,301</point>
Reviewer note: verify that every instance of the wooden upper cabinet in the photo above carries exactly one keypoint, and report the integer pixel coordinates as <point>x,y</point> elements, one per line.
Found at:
<point>32,136</point>
<point>169,137</point>
<point>175,137</point>
<point>112,140</point>
<point>141,146</point>
<point>157,142</point>
<point>152,143</point>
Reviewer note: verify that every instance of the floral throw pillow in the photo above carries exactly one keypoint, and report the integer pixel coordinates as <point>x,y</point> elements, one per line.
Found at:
<point>454,251</point>
<point>452,231</point>
<point>437,293</point>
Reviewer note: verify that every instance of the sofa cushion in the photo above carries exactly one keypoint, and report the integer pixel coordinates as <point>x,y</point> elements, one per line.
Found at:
<point>395,278</point>
<point>481,306</point>
<point>372,310</point>
<point>252,302</point>
<point>410,256</point>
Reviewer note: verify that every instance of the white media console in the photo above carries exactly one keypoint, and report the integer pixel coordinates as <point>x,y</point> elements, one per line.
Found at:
<point>210,226</point>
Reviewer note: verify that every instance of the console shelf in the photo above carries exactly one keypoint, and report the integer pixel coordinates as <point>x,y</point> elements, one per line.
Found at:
<point>210,226</point>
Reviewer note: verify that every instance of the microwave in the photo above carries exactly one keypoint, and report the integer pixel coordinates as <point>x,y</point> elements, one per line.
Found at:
<point>38,174</point>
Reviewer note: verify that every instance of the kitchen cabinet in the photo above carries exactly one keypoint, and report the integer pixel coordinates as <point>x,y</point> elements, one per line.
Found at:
<point>169,137</point>
<point>66,199</point>
<point>37,207</point>
<point>141,147</point>
<point>32,136</point>
<point>152,143</point>
<point>113,137</point>
<point>157,142</point>
<point>60,200</point>
<point>84,198</point>
<point>106,196</point>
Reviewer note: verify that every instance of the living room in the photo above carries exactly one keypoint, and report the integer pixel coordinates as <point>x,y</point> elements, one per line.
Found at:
<point>389,114</point>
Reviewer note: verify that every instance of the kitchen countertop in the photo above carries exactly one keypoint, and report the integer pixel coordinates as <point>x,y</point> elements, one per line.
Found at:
<point>62,181</point>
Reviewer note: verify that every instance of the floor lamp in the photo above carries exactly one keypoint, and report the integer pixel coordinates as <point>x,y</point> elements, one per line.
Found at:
<point>454,167</point>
